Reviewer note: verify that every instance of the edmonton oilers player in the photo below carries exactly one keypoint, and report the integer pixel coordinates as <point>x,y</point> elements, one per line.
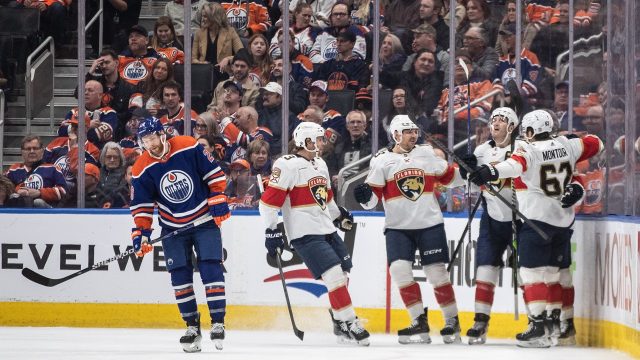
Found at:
<point>186,184</point>
<point>300,185</point>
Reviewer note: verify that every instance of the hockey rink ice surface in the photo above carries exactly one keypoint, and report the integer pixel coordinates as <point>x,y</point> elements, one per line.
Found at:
<point>26,343</point>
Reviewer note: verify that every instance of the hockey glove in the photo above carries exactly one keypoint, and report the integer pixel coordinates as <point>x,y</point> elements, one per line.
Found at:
<point>363,193</point>
<point>140,239</point>
<point>344,222</point>
<point>572,194</point>
<point>471,161</point>
<point>218,207</point>
<point>273,241</point>
<point>484,174</point>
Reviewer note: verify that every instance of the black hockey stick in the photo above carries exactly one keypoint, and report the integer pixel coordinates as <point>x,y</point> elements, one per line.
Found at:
<point>490,187</point>
<point>45,281</point>
<point>299,333</point>
<point>464,233</point>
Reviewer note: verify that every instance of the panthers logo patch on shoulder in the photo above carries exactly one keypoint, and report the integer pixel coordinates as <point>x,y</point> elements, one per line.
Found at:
<point>318,188</point>
<point>410,182</point>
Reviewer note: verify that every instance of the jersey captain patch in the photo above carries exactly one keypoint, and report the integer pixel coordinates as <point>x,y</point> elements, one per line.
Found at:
<point>176,186</point>
<point>318,188</point>
<point>410,182</point>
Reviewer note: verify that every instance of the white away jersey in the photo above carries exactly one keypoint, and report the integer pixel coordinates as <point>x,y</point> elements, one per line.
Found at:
<point>405,183</point>
<point>302,189</point>
<point>547,168</point>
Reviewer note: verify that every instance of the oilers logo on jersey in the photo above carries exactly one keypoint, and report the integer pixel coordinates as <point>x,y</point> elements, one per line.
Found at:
<point>509,74</point>
<point>176,186</point>
<point>63,164</point>
<point>318,188</point>
<point>34,181</point>
<point>330,50</point>
<point>135,70</point>
<point>593,192</point>
<point>237,18</point>
<point>410,182</point>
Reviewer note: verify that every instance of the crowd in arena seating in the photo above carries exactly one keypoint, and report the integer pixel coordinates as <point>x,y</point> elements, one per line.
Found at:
<point>331,53</point>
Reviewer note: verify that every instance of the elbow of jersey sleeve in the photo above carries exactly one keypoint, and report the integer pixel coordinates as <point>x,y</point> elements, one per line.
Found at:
<point>509,169</point>
<point>269,215</point>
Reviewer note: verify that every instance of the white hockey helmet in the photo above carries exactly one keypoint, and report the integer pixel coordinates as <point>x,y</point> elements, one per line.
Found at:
<point>400,123</point>
<point>540,121</point>
<point>307,130</point>
<point>507,113</point>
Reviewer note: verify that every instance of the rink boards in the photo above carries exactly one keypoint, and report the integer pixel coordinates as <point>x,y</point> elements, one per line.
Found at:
<point>137,292</point>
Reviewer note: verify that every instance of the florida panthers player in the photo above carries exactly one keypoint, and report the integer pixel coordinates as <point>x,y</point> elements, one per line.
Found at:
<point>543,171</point>
<point>300,186</point>
<point>187,185</point>
<point>403,177</point>
<point>495,224</point>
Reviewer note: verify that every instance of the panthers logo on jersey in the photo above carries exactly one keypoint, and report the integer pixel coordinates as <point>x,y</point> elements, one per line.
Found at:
<point>410,182</point>
<point>176,186</point>
<point>318,188</point>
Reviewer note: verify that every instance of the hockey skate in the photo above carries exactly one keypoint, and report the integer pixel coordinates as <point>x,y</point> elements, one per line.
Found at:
<point>190,341</point>
<point>358,333</point>
<point>417,332</point>
<point>552,323</point>
<point>536,335</point>
<point>567,333</point>
<point>217,334</point>
<point>451,331</point>
<point>340,330</point>
<point>477,334</point>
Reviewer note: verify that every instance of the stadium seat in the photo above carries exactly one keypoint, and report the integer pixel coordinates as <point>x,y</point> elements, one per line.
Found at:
<point>203,80</point>
<point>341,100</point>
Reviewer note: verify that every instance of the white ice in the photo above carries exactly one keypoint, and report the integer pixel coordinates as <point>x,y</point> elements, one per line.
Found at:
<point>26,343</point>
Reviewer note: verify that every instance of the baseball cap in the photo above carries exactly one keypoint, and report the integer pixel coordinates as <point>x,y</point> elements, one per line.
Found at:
<point>347,35</point>
<point>508,29</point>
<point>240,164</point>
<point>562,84</point>
<point>319,84</point>
<point>92,170</point>
<point>230,83</point>
<point>425,29</point>
<point>273,87</point>
<point>243,55</point>
<point>138,29</point>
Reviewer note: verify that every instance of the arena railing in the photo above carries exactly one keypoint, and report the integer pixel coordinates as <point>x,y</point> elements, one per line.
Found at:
<point>98,16</point>
<point>29,87</point>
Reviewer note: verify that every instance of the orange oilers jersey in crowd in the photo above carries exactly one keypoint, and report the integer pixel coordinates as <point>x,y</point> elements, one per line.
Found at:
<point>405,183</point>
<point>540,10</point>
<point>478,89</point>
<point>249,15</point>
<point>99,135</point>
<point>172,53</point>
<point>134,69</point>
<point>301,188</point>
<point>174,124</point>
<point>544,169</point>
<point>179,183</point>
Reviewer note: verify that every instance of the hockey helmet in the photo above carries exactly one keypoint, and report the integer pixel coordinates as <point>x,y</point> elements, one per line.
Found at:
<point>540,122</point>
<point>307,130</point>
<point>507,113</point>
<point>149,125</point>
<point>400,123</point>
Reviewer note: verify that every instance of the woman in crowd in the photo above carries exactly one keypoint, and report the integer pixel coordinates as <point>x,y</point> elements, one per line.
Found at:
<point>402,103</point>
<point>261,60</point>
<point>206,124</point>
<point>258,156</point>
<point>151,97</point>
<point>530,30</point>
<point>305,34</point>
<point>164,41</point>
<point>216,42</point>
<point>478,14</point>
<point>362,12</point>
<point>112,190</point>
<point>392,55</point>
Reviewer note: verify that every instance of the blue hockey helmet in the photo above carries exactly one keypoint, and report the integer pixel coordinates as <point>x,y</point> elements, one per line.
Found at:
<point>149,125</point>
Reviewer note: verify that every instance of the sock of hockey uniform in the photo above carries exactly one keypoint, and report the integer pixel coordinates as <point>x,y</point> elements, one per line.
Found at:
<point>438,276</point>
<point>486,278</point>
<point>402,274</point>
<point>213,279</point>
<point>182,282</point>
<point>339,297</point>
<point>535,289</point>
<point>568,294</point>
<point>554,289</point>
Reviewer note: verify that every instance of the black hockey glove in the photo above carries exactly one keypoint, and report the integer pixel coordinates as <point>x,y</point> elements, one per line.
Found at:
<point>363,193</point>
<point>471,162</point>
<point>572,194</point>
<point>344,222</point>
<point>484,174</point>
<point>273,240</point>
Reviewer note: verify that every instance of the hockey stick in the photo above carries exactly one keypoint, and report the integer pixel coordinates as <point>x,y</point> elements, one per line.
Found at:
<point>45,281</point>
<point>466,228</point>
<point>299,333</point>
<point>514,246</point>
<point>490,187</point>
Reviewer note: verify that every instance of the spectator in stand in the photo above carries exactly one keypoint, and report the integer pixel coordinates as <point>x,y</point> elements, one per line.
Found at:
<point>392,55</point>
<point>298,98</point>
<point>164,41</point>
<point>478,15</point>
<point>241,65</point>
<point>174,10</point>
<point>35,181</point>
<point>561,108</point>
<point>135,62</point>
<point>304,34</point>
<point>271,116</point>
<point>258,155</point>
<point>103,119</point>
<point>346,70</point>
<point>402,103</point>
<point>206,125</point>
<point>243,127</point>
<point>530,30</point>
<point>485,58</point>
<point>429,14</point>
<point>242,190</point>
<point>423,80</point>
<point>400,16</point>
<point>117,92</point>
<point>301,65</point>
<point>231,100</point>
<point>91,180</point>
<point>332,121</point>
<point>119,16</point>
<point>362,13</point>
<point>313,114</point>
<point>247,17</point>
<point>325,46</point>
<point>53,18</point>
<point>553,40</point>
<point>478,89</point>
<point>207,143</point>
<point>424,38</point>
<point>593,122</point>
<point>529,64</point>
<point>129,143</point>
<point>151,98</point>
<point>262,62</point>
<point>460,11</point>
<point>364,102</point>
<point>174,118</point>
<point>321,10</point>
<point>112,189</point>
<point>354,147</point>
<point>216,41</point>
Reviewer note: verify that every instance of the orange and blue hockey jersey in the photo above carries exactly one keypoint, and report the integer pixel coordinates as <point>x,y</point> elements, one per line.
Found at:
<point>251,15</point>
<point>529,66</point>
<point>174,124</point>
<point>179,183</point>
<point>46,178</point>
<point>134,69</point>
<point>65,158</point>
<point>99,135</point>
<point>172,53</point>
